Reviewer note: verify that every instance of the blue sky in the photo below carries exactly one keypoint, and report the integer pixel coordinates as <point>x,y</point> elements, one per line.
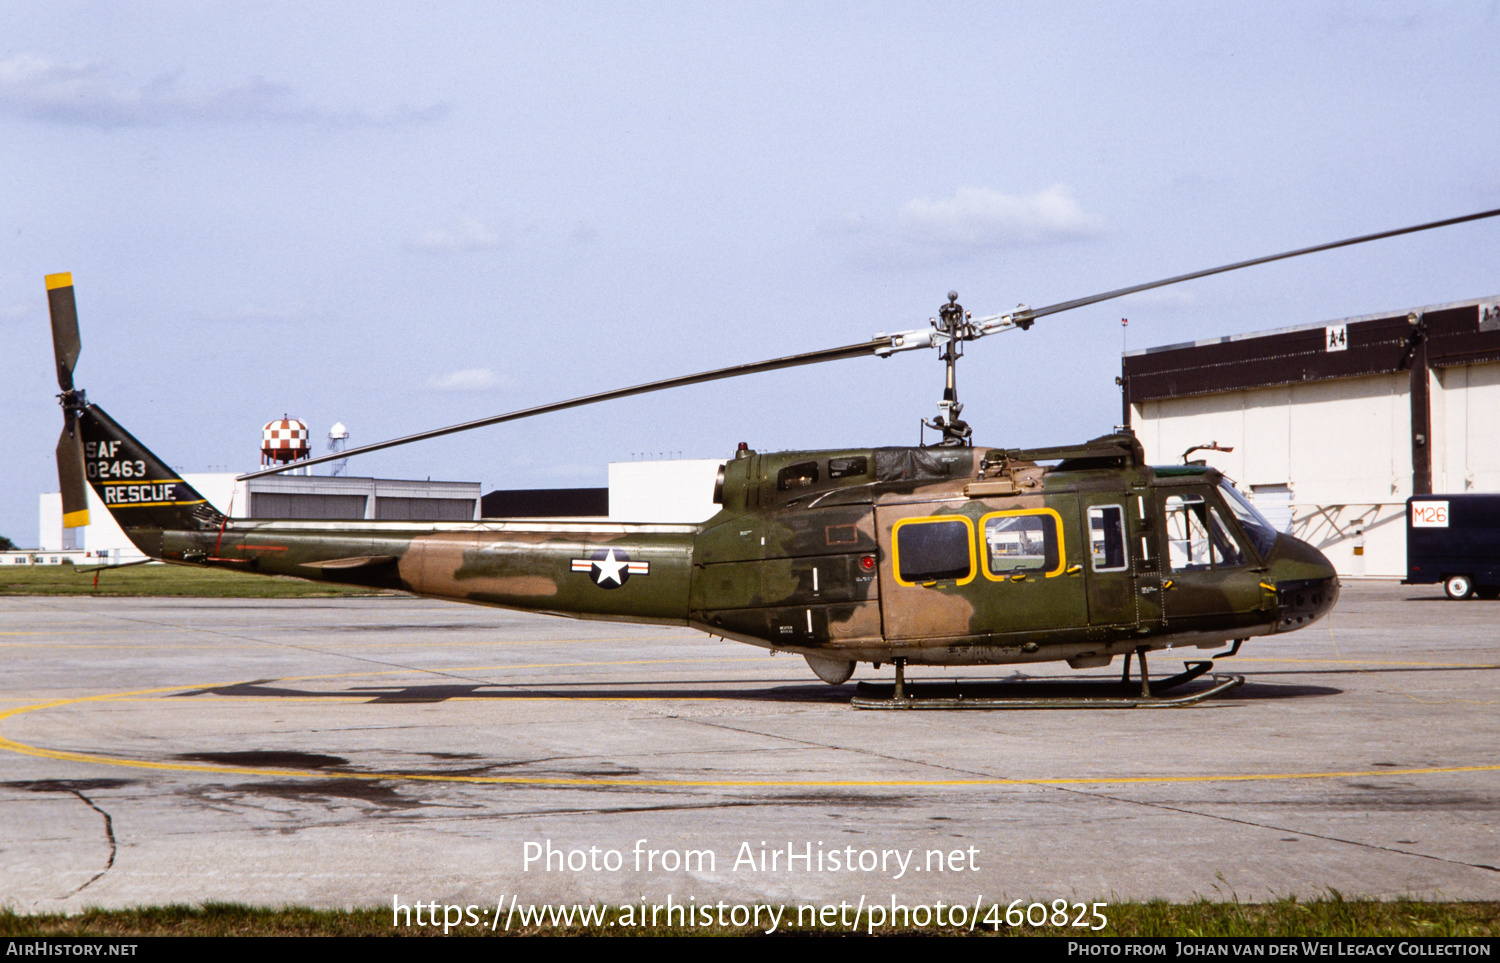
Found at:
<point>400,216</point>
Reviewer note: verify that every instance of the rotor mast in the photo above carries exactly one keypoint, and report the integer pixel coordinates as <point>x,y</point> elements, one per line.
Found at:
<point>953,329</point>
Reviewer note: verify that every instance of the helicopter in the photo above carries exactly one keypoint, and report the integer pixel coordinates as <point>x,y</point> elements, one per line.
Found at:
<point>942,554</point>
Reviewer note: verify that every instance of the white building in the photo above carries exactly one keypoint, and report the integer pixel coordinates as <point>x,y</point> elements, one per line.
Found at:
<point>102,537</point>
<point>1334,426</point>
<point>674,490</point>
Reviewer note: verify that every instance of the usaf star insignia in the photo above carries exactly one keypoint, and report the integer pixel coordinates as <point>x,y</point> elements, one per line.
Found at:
<point>610,568</point>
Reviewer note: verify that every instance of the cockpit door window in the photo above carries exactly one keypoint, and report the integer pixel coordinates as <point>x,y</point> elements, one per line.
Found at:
<point>1227,554</point>
<point>1187,534</point>
<point>1197,538</point>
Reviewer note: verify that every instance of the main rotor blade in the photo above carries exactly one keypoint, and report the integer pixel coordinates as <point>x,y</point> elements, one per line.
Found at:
<point>791,361</point>
<point>70,475</point>
<point>1121,292</point>
<point>882,345</point>
<point>65,341</point>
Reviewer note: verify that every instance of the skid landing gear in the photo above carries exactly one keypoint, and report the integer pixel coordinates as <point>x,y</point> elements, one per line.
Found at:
<point>1045,695</point>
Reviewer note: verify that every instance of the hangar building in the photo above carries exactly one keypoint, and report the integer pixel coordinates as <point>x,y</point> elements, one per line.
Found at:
<point>1334,425</point>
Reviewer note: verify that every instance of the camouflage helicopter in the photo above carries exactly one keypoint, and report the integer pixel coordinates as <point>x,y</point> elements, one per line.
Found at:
<point>943,555</point>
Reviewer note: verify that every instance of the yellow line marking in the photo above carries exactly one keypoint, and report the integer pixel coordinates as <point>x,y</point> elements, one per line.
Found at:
<point>98,759</point>
<point>1333,640</point>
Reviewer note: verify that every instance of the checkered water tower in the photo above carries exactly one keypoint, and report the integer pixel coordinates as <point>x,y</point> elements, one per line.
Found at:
<point>283,441</point>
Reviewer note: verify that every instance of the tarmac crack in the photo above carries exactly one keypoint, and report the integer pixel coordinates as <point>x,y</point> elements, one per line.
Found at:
<point>109,835</point>
<point>75,787</point>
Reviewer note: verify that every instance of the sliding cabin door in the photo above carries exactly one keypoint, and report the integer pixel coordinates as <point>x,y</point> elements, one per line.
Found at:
<point>982,569</point>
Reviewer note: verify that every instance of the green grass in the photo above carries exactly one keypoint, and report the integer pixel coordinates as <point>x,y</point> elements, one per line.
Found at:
<point>162,580</point>
<point>1329,916</point>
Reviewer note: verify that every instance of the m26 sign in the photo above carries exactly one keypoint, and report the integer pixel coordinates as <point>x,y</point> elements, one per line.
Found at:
<point>1429,514</point>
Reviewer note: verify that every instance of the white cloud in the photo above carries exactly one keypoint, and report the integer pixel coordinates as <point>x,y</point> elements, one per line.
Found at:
<point>464,234</point>
<point>977,217</point>
<point>38,88</point>
<point>469,379</point>
<point>973,219</point>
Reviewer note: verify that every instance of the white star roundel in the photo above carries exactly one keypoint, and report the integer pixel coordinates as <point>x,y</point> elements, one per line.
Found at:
<point>610,568</point>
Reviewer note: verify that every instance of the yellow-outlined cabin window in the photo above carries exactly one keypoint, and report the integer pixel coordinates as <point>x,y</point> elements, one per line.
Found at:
<point>938,548</point>
<point>1023,542</point>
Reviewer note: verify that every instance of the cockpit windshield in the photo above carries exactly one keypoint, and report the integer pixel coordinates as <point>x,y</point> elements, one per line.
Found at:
<point>1260,531</point>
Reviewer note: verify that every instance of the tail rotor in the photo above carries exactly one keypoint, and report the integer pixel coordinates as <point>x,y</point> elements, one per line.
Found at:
<point>66,345</point>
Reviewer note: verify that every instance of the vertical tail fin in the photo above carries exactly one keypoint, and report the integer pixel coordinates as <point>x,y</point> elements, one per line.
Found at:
<point>143,494</point>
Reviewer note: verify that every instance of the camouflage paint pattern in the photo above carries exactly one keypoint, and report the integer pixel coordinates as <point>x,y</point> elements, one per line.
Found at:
<point>803,557</point>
